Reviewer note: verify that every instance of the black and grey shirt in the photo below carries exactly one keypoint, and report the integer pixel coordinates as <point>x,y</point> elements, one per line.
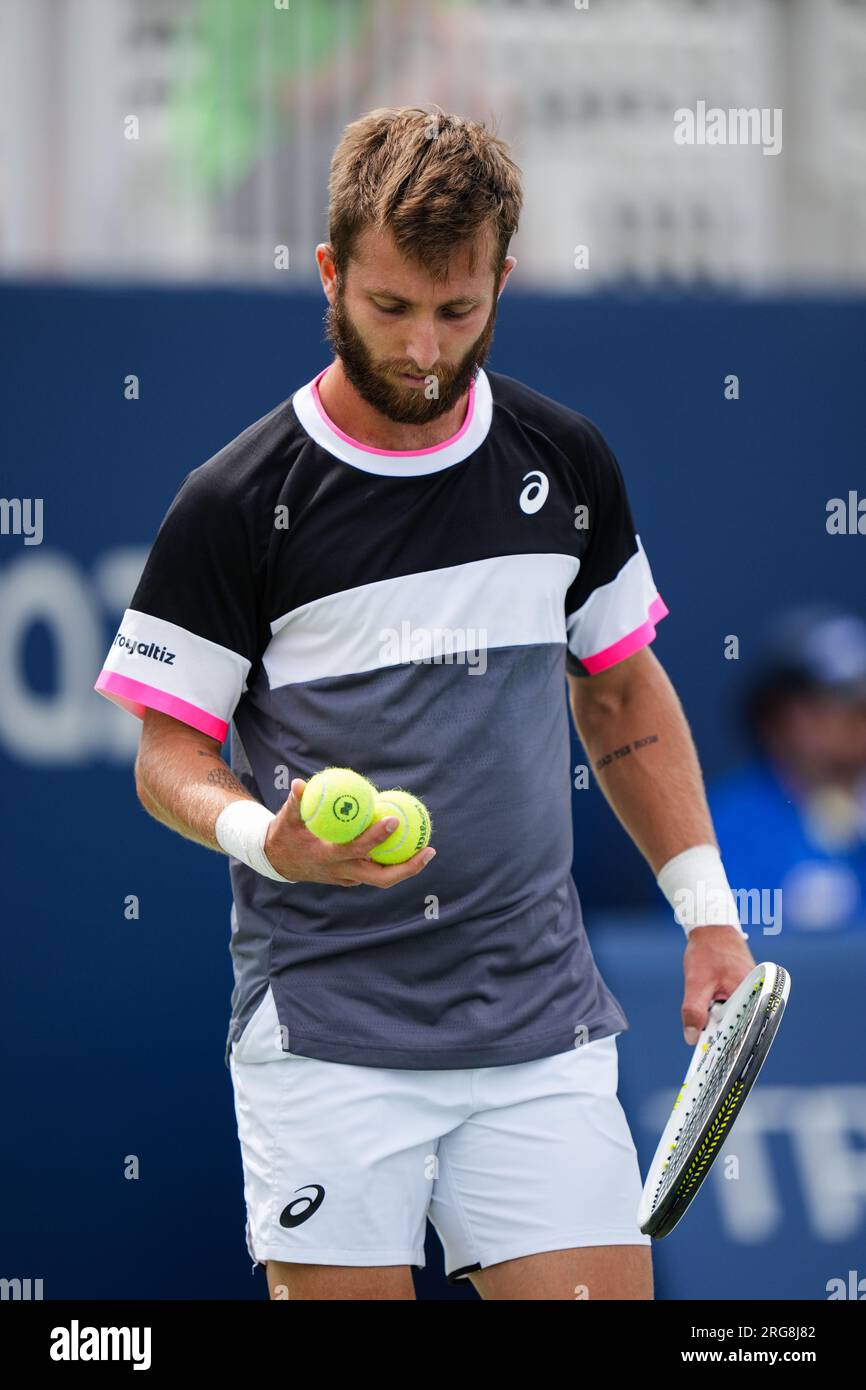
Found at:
<point>409,614</point>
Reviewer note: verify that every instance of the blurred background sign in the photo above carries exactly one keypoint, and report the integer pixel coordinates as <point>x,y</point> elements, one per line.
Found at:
<point>187,138</point>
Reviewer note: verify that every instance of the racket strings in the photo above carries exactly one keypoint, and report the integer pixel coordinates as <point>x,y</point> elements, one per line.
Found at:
<point>712,1078</point>
<point>706,1151</point>
<point>715,1088</point>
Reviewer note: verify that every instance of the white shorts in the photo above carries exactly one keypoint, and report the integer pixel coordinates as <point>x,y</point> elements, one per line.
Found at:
<point>344,1164</point>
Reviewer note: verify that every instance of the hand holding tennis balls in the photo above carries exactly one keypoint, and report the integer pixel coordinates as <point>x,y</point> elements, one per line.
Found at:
<point>329,828</point>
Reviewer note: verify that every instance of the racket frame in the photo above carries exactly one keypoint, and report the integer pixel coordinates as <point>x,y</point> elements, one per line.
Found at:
<point>657,1218</point>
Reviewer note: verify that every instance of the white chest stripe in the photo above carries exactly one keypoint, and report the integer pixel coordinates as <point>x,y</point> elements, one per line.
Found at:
<point>508,600</point>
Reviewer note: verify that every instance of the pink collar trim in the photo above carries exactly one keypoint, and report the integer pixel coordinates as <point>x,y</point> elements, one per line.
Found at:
<point>390,453</point>
<point>397,463</point>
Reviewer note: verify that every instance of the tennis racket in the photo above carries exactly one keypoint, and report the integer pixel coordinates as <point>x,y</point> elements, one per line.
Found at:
<point>727,1058</point>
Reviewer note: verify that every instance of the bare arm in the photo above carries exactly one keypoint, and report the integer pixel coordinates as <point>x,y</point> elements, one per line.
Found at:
<point>632,725</point>
<point>183,782</point>
<point>181,778</point>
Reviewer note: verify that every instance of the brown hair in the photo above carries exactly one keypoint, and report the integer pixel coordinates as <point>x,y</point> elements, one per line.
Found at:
<point>432,178</point>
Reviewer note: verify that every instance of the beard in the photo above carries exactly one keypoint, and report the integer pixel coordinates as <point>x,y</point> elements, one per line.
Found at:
<point>378,386</point>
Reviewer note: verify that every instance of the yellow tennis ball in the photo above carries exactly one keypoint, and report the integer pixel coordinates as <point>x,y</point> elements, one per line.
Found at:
<point>337,804</point>
<point>413,832</point>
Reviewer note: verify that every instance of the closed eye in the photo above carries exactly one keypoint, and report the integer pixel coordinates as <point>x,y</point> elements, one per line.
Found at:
<point>447,313</point>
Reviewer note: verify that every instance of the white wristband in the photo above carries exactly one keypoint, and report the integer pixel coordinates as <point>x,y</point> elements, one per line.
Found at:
<point>696,886</point>
<point>240,830</point>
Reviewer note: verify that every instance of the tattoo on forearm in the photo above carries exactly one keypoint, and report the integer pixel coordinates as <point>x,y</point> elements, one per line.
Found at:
<point>222,776</point>
<point>626,749</point>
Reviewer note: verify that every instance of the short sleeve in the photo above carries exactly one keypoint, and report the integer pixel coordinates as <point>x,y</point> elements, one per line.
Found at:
<point>613,605</point>
<point>190,635</point>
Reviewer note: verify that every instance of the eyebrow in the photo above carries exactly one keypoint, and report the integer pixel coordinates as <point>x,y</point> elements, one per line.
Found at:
<point>458,298</point>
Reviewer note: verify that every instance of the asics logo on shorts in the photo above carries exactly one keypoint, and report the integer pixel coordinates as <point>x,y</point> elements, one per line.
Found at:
<point>301,1208</point>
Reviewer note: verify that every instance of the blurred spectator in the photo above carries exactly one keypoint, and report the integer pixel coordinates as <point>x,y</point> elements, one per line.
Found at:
<point>795,816</point>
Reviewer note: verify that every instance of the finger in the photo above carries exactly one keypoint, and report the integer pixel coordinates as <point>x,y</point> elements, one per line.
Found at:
<point>291,807</point>
<point>360,847</point>
<point>293,801</point>
<point>386,875</point>
<point>418,862</point>
<point>695,1011</point>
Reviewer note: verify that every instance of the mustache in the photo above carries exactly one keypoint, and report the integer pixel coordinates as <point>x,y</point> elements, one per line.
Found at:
<point>441,373</point>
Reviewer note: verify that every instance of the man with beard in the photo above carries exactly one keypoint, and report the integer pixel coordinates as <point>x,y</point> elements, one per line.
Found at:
<point>396,570</point>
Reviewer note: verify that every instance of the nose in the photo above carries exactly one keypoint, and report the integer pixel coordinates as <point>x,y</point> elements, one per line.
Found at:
<point>422,348</point>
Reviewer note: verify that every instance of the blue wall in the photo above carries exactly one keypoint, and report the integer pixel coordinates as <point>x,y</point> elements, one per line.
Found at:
<point>729,498</point>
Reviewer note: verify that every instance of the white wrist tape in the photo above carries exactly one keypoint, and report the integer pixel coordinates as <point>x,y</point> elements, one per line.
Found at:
<point>696,886</point>
<point>240,830</point>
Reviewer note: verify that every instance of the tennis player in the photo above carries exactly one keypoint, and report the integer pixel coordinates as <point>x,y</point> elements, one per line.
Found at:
<point>397,570</point>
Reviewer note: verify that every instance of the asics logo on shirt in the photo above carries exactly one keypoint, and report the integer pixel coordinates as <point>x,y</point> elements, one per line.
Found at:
<point>301,1208</point>
<point>534,495</point>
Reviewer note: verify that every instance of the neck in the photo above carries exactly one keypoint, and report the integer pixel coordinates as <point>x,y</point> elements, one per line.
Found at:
<point>357,418</point>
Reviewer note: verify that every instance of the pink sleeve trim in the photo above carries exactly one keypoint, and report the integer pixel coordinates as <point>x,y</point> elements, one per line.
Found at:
<point>632,642</point>
<point>135,696</point>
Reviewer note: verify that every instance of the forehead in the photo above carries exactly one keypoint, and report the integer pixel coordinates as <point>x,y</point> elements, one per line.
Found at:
<point>376,258</point>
